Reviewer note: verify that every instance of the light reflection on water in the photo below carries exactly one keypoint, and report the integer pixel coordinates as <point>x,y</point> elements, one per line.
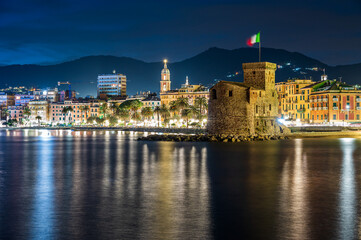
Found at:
<point>62,184</point>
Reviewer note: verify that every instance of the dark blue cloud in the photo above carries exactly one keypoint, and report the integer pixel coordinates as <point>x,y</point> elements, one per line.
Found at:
<point>53,31</point>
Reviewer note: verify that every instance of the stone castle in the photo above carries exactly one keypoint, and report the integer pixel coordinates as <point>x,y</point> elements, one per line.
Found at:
<point>247,108</point>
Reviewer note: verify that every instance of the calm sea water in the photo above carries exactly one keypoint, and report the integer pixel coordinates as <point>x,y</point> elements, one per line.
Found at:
<point>106,185</point>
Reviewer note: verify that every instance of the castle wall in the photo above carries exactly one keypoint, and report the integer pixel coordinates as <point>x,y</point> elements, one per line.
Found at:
<point>253,106</point>
<point>230,114</point>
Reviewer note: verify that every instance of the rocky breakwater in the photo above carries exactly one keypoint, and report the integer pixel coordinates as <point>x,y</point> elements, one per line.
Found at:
<point>208,138</point>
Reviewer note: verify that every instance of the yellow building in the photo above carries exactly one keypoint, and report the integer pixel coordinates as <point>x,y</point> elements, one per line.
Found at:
<point>186,91</point>
<point>293,99</point>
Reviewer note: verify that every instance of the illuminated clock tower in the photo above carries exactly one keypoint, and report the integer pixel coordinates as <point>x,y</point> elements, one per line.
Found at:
<point>165,79</point>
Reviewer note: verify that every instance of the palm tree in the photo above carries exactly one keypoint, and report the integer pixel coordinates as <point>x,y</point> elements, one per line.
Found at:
<point>86,109</point>
<point>201,103</point>
<point>182,103</point>
<point>39,119</point>
<point>147,112</point>
<point>100,121</point>
<point>136,117</point>
<point>104,109</point>
<point>27,113</point>
<point>4,113</point>
<point>66,110</point>
<point>188,113</point>
<point>157,111</point>
<point>164,112</point>
<point>114,108</point>
<point>90,119</point>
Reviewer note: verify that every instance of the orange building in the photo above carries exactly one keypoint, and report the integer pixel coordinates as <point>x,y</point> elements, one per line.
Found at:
<point>78,115</point>
<point>333,101</point>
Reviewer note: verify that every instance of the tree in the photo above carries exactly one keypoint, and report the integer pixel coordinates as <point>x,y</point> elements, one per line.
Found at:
<point>27,113</point>
<point>136,117</point>
<point>114,108</point>
<point>4,113</point>
<point>188,113</point>
<point>90,119</point>
<point>113,120</point>
<point>201,103</point>
<point>182,103</point>
<point>173,107</point>
<point>66,110</point>
<point>123,114</point>
<point>147,112</point>
<point>39,119</point>
<point>157,111</point>
<point>100,121</point>
<point>85,109</point>
<point>164,112</point>
<point>136,105</point>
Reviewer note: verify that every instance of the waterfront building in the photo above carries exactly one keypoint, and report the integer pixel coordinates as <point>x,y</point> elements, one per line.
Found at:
<point>151,101</point>
<point>16,112</point>
<point>112,85</point>
<point>191,92</point>
<point>6,99</point>
<point>246,108</point>
<point>333,101</point>
<point>39,108</point>
<point>293,99</point>
<point>79,113</point>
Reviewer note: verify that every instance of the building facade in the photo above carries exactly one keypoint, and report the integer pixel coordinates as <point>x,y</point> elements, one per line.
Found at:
<point>335,102</point>
<point>112,85</point>
<point>246,108</point>
<point>16,112</point>
<point>81,111</point>
<point>39,108</point>
<point>293,99</point>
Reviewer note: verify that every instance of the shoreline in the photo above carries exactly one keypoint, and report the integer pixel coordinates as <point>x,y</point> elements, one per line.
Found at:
<point>194,132</point>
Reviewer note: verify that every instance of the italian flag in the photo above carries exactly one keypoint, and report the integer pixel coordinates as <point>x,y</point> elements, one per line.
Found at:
<point>254,39</point>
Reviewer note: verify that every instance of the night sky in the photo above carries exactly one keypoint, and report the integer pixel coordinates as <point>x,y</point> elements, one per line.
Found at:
<point>46,32</point>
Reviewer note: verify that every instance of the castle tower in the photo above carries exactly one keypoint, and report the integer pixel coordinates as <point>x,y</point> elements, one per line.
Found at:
<point>165,79</point>
<point>260,75</point>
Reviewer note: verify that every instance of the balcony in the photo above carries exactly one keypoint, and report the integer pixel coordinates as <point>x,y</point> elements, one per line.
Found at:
<point>358,99</point>
<point>358,108</point>
<point>325,99</point>
<point>335,108</point>
<point>319,100</point>
<point>325,108</point>
<point>335,99</point>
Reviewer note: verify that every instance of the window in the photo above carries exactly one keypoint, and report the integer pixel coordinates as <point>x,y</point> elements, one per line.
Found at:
<point>256,109</point>
<point>334,116</point>
<point>230,93</point>
<point>358,117</point>
<point>270,107</point>
<point>214,94</point>
<point>348,98</point>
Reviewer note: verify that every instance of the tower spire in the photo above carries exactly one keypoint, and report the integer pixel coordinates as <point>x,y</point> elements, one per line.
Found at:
<point>187,83</point>
<point>165,63</point>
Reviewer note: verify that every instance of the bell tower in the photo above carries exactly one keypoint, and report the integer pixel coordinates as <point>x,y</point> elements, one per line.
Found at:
<point>165,79</point>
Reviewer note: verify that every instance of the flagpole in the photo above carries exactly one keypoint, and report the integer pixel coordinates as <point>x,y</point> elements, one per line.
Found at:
<point>259,49</point>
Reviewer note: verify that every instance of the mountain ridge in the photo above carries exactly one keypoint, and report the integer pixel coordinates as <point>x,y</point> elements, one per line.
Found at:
<point>206,68</point>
